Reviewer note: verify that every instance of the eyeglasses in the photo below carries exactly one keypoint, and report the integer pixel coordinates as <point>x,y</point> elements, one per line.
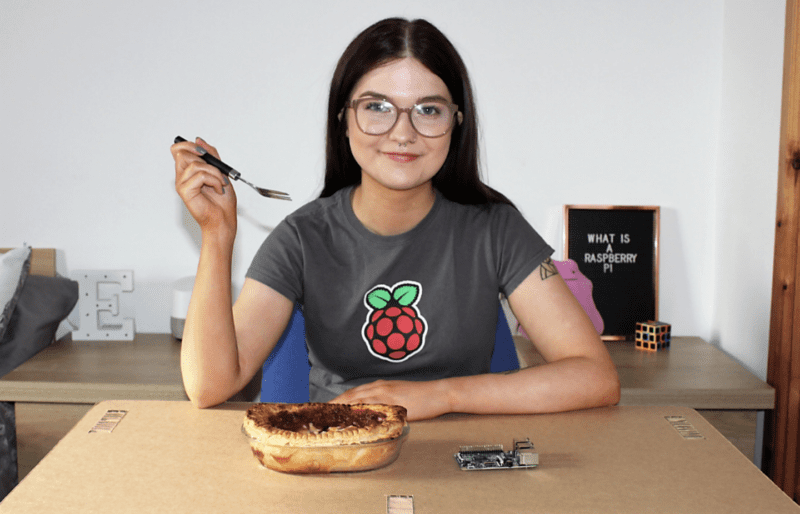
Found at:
<point>376,116</point>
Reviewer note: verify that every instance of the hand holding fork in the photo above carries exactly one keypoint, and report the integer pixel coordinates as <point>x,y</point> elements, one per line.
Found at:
<point>235,175</point>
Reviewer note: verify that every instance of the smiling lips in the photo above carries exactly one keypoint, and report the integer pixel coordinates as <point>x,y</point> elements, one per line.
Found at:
<point>401,157</point>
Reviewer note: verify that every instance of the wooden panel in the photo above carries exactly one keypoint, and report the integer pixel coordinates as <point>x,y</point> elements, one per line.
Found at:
<point>40,426</point>
<point>782,429</point>
<point>738,427</point>
<point>43,261</point>
<point>172,457</point>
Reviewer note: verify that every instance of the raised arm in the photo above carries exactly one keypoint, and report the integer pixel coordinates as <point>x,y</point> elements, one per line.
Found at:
<point>223,344</point>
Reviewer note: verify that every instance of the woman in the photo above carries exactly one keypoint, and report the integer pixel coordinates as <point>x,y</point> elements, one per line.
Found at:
<point>398,264</point>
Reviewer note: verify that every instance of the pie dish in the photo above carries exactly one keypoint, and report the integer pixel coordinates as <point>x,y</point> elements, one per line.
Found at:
<point>325,437</point>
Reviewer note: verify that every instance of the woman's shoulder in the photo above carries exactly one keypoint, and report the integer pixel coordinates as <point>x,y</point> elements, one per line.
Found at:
<point>317,210</point>
<point>495,222</point>
<point>490,212</point>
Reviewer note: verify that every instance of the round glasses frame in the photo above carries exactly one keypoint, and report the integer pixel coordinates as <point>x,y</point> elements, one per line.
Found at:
<point>458,116</point>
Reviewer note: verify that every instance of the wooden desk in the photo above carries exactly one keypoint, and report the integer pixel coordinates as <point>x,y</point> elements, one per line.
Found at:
<point>57,387</point>
<point>691,373</point>
<point>87,372</point>
<point>171,457</point>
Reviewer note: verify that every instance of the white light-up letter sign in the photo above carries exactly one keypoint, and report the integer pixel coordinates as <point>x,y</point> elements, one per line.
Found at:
<point>99,303</point>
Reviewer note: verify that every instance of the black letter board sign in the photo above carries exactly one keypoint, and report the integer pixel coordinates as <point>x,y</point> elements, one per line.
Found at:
<point>616,247</point>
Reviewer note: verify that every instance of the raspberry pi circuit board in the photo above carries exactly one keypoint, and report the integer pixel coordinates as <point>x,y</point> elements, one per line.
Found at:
<point>524,455</point>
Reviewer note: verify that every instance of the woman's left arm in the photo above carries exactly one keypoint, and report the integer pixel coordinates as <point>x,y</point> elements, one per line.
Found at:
<point>578,373</point>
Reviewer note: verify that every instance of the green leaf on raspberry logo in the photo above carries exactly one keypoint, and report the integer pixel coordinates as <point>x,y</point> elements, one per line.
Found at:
<point>379,297</point>
<point>406,294</point>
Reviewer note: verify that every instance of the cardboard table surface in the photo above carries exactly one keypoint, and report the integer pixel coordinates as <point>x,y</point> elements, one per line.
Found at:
<point>171,457</point>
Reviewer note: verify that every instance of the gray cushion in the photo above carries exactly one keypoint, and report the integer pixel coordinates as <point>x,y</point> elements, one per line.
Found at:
<point>8,449</point>
<point>14,267</point>
<point>42,304</point>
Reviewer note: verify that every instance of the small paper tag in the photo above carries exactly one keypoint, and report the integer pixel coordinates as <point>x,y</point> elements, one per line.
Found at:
<point>684,428</point>
<point>399,504</point>
<point>108,422</point>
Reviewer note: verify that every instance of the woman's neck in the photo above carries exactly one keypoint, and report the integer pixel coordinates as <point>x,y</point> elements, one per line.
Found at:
<point>388,212</point>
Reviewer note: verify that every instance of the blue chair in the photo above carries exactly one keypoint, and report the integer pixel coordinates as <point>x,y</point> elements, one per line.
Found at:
<point>504,357</point>
<point>284,377</point>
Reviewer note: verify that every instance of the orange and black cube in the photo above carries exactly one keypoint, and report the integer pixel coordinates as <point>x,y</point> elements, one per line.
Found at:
<point>653,335</point>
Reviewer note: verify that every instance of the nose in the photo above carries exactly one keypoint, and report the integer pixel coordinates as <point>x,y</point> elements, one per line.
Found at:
<point>403,131</point>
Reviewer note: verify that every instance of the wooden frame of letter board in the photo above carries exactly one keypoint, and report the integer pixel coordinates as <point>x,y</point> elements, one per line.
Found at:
<point>620,306</point>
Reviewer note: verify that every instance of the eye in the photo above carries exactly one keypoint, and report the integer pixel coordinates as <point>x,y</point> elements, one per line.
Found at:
<point>376,106</point>
<point>431,109</point>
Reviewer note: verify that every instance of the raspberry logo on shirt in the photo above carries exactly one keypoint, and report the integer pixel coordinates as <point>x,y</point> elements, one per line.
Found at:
<point>394,330</point>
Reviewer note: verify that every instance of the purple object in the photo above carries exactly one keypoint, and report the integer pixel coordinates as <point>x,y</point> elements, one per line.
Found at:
<point>581,288</point>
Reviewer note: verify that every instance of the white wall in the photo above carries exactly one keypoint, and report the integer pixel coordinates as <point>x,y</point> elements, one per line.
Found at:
<point>746,178</point>
<point>594,102</point>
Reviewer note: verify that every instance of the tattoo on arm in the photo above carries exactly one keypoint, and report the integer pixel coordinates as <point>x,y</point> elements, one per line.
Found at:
<point>547,269</point>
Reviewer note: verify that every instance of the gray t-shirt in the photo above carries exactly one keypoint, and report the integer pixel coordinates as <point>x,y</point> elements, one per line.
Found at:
<point>421,305</point>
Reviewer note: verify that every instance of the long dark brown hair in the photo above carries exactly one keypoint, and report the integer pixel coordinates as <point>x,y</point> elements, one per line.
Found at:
<point>459,178</point>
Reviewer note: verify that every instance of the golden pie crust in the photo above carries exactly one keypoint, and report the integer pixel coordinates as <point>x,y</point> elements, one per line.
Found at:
<point>325,437</point>
<point>323,424</point>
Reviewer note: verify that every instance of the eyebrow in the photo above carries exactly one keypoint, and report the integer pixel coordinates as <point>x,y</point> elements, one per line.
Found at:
<point>373,94</point>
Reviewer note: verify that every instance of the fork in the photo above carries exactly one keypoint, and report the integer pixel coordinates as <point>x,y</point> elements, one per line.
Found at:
<point>235,175</point>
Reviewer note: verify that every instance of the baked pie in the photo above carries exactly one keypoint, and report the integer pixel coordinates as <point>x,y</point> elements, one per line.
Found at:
<point>323,424</point>
<point>325,437</point>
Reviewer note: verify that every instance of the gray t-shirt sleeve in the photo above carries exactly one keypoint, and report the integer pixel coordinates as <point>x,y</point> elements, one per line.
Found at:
<point>518,248</point>
<point>278,263</point>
